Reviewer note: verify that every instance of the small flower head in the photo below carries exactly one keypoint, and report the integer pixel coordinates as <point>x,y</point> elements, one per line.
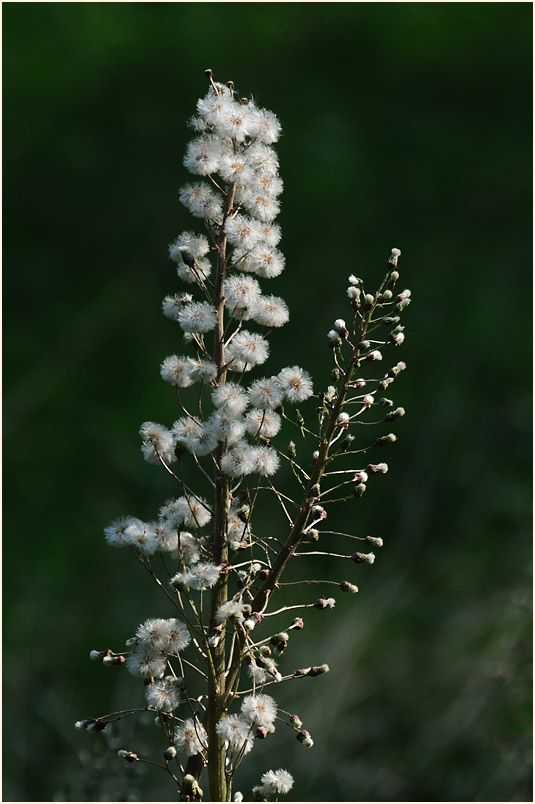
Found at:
<point>162,695</point>
<point>197,317</point>
<point>191,737</point>
<point>200,576</point>
<point>295,384</point>
<point>236,731</point>
<point>277,782</point>
<point>259,710</point>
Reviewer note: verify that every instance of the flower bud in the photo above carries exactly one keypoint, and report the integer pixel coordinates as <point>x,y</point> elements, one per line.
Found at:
<point>376,541</point>
<point>298,624</point>
<point>395,370</point>
<point>363,345</point>
<point>335,375</point>
<point>345,586</point>
<point>386,295</point>
<point>393,414</point>
<point>375,355</point>
<point>386,403</point>
<point>394,255</point>
<point>363,558</point>
<point>334,339</point>
<point>402,305</point>
<point>305,738</point>
<point>313,535</point>
<point>373,468</point>
<point>97,655</point>
<point>303,671</point>
<point>340,326</point>
<point>343,420</point>
<point>355,280</point>
<point>394,276</point>
<point>296,721</point>
<point>318,512</point>
<point>367,301</point>
<point>292,451</point>
<point>128,755</point>
<point>325,603</point>
<point>315,489</point>
<point>359,490</point>
<point>315,455</point>
<point>360,383</point>
<point>261,732</point>
<point>360,477</point>
<point>386,439</point>
<point>169,753</point>
<point>382,384</point>
<point>397,338</point>
<point>353,293</point>
<point>390,319</point>
<point>319,670</point>
<point>238,797</point>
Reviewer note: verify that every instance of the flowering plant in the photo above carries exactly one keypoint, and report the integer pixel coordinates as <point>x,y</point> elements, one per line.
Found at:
<point>218,570</point>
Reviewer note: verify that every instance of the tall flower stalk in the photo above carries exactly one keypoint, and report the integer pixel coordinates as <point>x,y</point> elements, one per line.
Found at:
<point>220,575</point>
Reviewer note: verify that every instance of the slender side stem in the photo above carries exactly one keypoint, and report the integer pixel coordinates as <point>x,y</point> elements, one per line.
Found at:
<point>311,494</point>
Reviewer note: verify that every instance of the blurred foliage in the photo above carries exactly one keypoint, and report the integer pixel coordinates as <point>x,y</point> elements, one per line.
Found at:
<point>405,124</point>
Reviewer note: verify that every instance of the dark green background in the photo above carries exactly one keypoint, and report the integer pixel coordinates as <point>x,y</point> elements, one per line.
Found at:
<point>405,124</point>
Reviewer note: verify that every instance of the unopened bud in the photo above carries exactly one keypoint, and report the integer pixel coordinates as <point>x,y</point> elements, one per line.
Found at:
<point>128,755</point>
<point>296,721</point>
<point>368,300</point>
<point>325,603</point>
<point>394,255</point>
<point>261,733</point>
<point>292,451</point>
<point>113,660</point>
<point>305,738</point>
<point>360,477</point>
<point>238,797</point>
<point>315,455</point>
<point>315,489</point>
<point>97,655</point>
<point>343,420</point>
<point>187,256</point>
<point>394,276</point>
<point>355,280</point>
<point>373,468</point>
<point>169,753</point>
<point>402,305</point>
<point>386,403</point>
<point>390,319</point>
<point>340,327</point>
<point>353,293</point>
<point>386,439</point>
<point>397,338</point>
<point>375,355</point>
<point>375,540</point>
<point>368,400</point>
<point>313,535</point>
<point>318,512</point>
<point>363,345</point>
<point>386,295</point>
<point>345,586</point>
<point>395,370</point>
<point>319,670</point>
<point>393,414</point>
<point>359,490</point>
<point>303,671</point>
<point>334,339</point>
<point>363,558</point>
<point>298,624</point>
<point>335,374</point>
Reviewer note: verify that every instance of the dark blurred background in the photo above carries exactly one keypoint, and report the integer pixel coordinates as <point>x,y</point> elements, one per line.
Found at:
<point>405,124</point>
